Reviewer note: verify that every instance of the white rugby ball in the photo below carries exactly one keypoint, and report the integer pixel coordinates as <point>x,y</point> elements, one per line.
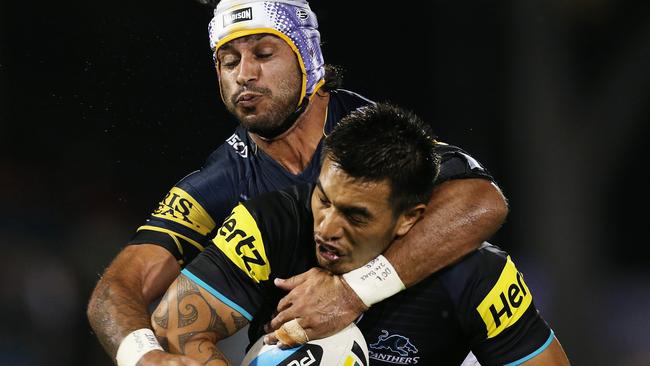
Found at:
<point>345,348</point>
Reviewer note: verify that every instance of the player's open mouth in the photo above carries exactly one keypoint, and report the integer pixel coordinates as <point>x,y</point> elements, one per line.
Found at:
<point>248,99</point>
<point>328,252</point>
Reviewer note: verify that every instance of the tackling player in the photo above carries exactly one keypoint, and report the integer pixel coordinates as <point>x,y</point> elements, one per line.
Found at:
<point>378,174</point>
<point>273,79</point>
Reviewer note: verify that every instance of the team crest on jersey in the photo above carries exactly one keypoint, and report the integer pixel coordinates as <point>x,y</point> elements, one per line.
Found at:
<point>506,302</point>
<point>240,239</point>
<point>180,207</point>
<point>240,147</point>
<point>394,348</point>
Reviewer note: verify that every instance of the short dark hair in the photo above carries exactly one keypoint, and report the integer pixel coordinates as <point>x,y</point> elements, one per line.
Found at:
<point>385,142</point>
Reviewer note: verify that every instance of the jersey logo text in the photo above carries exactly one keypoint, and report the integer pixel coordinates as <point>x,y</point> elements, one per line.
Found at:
<point>401,349</point>
<point>180,207</point>
<point>240,239</point>
<point>506,302</point>
<point>240,147</point>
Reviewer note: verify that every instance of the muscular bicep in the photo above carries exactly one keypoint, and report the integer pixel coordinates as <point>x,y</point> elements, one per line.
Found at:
<point>461,214</point>
<point>192,320</point>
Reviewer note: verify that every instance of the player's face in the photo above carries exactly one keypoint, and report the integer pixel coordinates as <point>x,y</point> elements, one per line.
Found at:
<point>353,219</point>
<point>260,80</point>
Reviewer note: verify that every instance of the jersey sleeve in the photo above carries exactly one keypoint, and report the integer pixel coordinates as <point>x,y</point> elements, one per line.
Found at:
<point>495,308</point>
<point>455,163</point>
<point>185,219</point>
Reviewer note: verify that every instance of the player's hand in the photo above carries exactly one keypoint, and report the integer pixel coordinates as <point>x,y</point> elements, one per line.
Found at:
<point>160,358</point>
<point>322,302</point>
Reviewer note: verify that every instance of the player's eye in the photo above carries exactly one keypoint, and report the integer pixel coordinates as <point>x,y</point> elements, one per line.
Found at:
<point>356,220</point>
<point>229,61</point>
<point>323,201</point>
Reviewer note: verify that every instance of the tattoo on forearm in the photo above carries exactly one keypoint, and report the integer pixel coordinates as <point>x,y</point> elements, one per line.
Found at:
<point>189,300</point>
<point>161,317</point>
<point>239,321</point>
<point>217,324</point>
<point>184,289</point>
<point>189,317</point>
<point>216,356</point>
<point>114,311</point>
<point>163,320</point>
<point>184,338</point>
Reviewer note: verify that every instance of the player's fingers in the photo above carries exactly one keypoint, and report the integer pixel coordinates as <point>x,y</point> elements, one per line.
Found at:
<point>284,303</point>
<point>270,338</point>
<point>281,318</point>
<point>291,334</point>
<point>291,282</point>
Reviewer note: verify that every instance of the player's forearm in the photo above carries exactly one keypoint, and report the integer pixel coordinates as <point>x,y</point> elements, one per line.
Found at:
<point>119,303</point>
<point>192,321</point>
<point>116,309</point>
<point>206,352</point>
<point>460,216</point>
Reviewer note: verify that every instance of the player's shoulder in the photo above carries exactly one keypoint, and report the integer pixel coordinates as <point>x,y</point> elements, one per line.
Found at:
<point>224,167</point>
<point>342,102</point>
<point>447,151</point>
<point>456,163</point>
<point>235,148</point>
<point>477,269</point>
<point>291,202</point>
<point>348,100</point>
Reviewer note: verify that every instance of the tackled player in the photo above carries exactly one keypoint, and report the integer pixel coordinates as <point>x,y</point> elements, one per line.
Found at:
<point>378,173</point>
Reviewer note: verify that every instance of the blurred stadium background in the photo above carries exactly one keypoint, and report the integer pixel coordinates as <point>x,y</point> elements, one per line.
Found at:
<point>104,106</point>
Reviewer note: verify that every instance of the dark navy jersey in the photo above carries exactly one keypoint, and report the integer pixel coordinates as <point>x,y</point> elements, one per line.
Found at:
<point>185,220</point>
<point>480,304</point>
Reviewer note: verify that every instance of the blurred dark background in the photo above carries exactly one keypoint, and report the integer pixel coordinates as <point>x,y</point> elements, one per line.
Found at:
<point>104,106</point>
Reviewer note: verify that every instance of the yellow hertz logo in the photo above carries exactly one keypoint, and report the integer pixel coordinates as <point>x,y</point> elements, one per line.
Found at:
<point>180,207</point>
<point>506,302</point>
<point>240,239</point>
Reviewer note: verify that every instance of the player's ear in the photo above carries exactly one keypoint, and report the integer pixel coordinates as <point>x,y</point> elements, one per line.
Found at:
<point>408,218</point>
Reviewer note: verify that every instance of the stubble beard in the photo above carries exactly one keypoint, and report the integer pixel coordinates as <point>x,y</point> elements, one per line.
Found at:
<point>263,120</point>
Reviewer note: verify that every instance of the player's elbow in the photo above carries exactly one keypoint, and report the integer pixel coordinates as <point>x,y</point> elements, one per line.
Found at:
<point>92,311</point>
<point>496,205</point>
<point>488,205</point>
<point>96,305</point>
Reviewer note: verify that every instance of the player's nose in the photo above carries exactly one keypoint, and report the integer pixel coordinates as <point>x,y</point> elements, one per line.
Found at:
<point>330,227</point>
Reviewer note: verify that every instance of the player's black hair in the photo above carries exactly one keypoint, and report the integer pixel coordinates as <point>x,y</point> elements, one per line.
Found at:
<point>384,142</point>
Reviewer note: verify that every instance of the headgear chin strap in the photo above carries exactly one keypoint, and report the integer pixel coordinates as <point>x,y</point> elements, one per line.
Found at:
<point>291,20</point>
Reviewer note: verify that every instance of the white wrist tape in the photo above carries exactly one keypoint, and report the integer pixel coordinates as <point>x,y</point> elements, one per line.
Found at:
<point>375,281</point>
<point>135,345</point>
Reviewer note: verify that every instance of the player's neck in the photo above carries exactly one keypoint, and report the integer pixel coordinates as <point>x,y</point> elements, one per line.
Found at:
<point>296,147</point>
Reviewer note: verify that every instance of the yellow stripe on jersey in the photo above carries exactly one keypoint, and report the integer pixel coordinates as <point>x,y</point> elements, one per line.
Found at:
<point>240,239</point>
<point>506,302</point>
<point>180,207</point>
<point>173,235</point>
